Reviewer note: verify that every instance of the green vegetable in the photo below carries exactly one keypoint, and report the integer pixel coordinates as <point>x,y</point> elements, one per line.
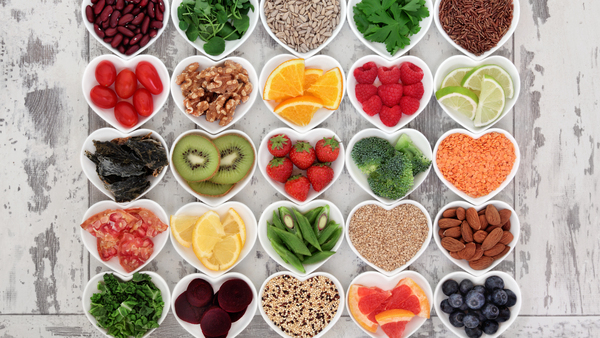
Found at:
<point>333,240</point>
<point>321,221</point>
<point>419,162</point>
<point>293,242</point>
<point>271,233</point>
<point>317,257</point>
<point>370,152</point>
<point>288,257</point>
<point>277,221</point>
<point>307,231</point>
<point>390,21</point>
<point>312,214</point>
<point>394,178</point>
<point>328,231</point>
<point>129,308</point>
<point>288,220</point>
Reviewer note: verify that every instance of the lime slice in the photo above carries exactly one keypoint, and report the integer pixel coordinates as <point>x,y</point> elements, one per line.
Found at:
<point>472,79</point>
<point>458,99</point>
<point>455,77</point>
<point>491,102</point>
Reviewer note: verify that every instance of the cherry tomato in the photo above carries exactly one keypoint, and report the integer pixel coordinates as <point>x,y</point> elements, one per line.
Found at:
<point>148,77</point>
<point>106,73</point>
<point>126,84</point>
<point>126,114</point>
<point>103,97</point>
<point>142,101</point>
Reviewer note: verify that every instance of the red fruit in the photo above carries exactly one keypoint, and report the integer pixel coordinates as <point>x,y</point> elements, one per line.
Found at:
<point>327,149</point>
<point>143,102</point>
<point>320,175</point>
<point>125,84</point>
<point>303,155</point>
<point>280,169</point>
<point>364,91</point>
<point>366,74</point>
<point>279,145</point>
<point>372,106</point>
<point>103,97</point>
<point>410,73</point>
<point>125,114</point>
<point>148,77</point>
<point>105,73</point>
<point>298,187</point>
<point>388,75</point>
<point>409,105</point>
<point>414,90</point>
<point>390,94</point>
<point>390,116</point>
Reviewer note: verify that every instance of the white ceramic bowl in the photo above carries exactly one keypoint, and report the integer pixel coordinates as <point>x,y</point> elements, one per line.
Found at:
<point>312,137</point>
<point>108,134</point>
<point>372,278</point>
<point>215,282</point>
<point>509,283</point>
<point>89,81</point>
<point>379,47</point>
<point>382,62</point>
<point>338,28</point>
<point>90,28</point>
<point>389,207</point>
<point>459,61</point>
<point>506,37</point>
<point>92,288</point>
<point>230,46</point>
<point>241,109</point>
<point>418,139</point>
<point>198,209</point>
<point>335,318</point>
<point>319,61</point>
<point>515,229</point>
<point>267,215</point>
<point>91,244</point>
<point>214,201</point>
<point>480,200</point>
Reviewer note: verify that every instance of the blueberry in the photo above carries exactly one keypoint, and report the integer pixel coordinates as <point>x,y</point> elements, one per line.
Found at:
<point>456,319</point>
<point>499,297</point>
<point>474,332</point>
<point>465,286</point>
<point>504,314</point>
<point>479,288</point>
<point>475,299</point>
<point>479,315</point>
<point>488,297</point>
<point>490,326</point>
<point>446,307</point>
<point>490,311</point>
<point>464,307</point>
<point>449,287</point>
<point>456,300</point>
<point>494,282</point>
<point>512,298</point>
<point>471,321</point>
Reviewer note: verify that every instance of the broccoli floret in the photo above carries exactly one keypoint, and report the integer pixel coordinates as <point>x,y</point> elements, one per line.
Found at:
<point>419,162</point>
<point>393,179</point>
<point>370,152</point>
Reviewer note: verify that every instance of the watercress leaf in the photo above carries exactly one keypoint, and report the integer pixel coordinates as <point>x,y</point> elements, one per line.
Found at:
<point>192,33</point>
<point>183,25</point>
<point>228,32</point>
<point>180,11</point>
<point>215,46</point>
<point>221,16</point>
<point>241,25</point>
<point>189,2</point>
<point>202,6</point>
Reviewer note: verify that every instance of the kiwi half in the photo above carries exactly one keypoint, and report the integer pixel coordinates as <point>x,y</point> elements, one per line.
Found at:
<point>237,158</point>
<point>196,158</point>
<point>208,188</point>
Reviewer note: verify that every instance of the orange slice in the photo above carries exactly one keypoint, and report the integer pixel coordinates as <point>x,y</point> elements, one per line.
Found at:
<point>393,322</point>
<point>299,110</point>
<point>362,301</point>
<point>310,77</point>
<point>285,81</point>
<point>329,88</point>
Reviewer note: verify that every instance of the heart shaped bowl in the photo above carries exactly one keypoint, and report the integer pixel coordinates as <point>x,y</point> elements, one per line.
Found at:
<point>506,37</point>
<point>379,47</point>
<point>89,81</point>
<point>361,179</point>
<point>389,207</point>
<point>90,28</point>
<point>459,61</point>
<point>107,134</point>
<point>509,283</point>
<point>215,282</point>
<point>515,229</point>
<point>335,318</point>
<point>312,52</point>
<point>267,215</point>
<point>213,201</point>
<point>312,137</point>
<point>372,278</point>
<point>92,288</point>
<point>198,209</point>
<point>319,61</point>
<point>382,62</point>
<point>461,194</point>
<point>204,62</point>
<point>230,46</point>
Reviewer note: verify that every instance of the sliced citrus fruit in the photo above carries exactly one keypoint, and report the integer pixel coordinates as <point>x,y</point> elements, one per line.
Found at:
<point>459,99</point>
<point>299,110</point>
<point>455,77</point>
<point>329,88</point>
<point>408,295</point>
<point>182,227</point>
<point>285,81</point>
<point>491,102</point>
<point>225,253</point>
<point>474,78</point>
<point>310,77</point>
<point>208,231</point>
<point>234,224</point>
<point>393,322</point>
<point>362,301</point>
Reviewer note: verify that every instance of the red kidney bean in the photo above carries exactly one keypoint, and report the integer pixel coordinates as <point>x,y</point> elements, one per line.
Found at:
<point>121,49</point>
<point>131,27</point>
<point>159,14</point>
<point>110,2</point>
<point>105,25</point>
<point>125,19</point>
<point>97,21</point>
<point>136,11</point>
<point>128,9</point>
<point>125,41</point>
<point>94,1</point>
<point>125,31</point>
<point>98,31</point>
<point>132,49</point>
<point>89,14</point>
<point>106,13</point>
<point>108,39</point>
<point>135,39</point>
<point>150,11</point>
<point>145,24</point>
<point>110,31</point>
<point>138,19</point>
<point>120,4</point>
<point>117,39</point>
<point>144,40</point>
<point>137,31</point>
<point>99,6</point>
<point>114,18</point>
<point>153,33</point>
<point>161,4</point>
<point>156,25</point>
<point>143,3</point>
<point>136,1</point>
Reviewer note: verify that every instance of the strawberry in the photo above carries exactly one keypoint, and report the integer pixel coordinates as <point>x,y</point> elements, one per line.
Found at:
<point>298,187</point>
<point>320,175</point>
<point>280,169</point>
<point>366,74</point>
<point>279,145</point>
<point>410,73</point>
<point>409,105</point>
<point>303,155</point>
<point>327,149</point>
<point>372,106</point>
<point>390,116</point>
<point>364,91</point>
<point>414,90</point>
<point>388,75</point>
<point>390,94</point>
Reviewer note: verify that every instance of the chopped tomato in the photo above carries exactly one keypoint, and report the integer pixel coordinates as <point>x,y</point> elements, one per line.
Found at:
<point>134,251</point>
<point>107,249</point>
<point>150,225</point>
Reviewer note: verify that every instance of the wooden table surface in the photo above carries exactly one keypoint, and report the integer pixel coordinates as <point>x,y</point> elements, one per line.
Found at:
<point>45,47</point>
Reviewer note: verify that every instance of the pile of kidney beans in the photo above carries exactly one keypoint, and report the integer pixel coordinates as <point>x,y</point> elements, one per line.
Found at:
<point>126,25</point>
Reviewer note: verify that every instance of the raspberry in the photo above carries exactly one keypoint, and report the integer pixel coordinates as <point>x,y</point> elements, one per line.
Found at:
<point>388,75</point>
<point>409,105</point>
<point>390,94</point>
<point>364,91</point>
<point>390,116</point>
<point>366,74</point>
<point>414,90</point>
<point>410,74</point>
<point>372,106</point>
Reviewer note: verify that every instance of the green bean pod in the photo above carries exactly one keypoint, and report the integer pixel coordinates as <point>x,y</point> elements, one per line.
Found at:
<point>277,221</point>
<point>288,257</point>
<point>312,214</point>
<point>271,234</point>
<point>293,242</point>
<point>287,219</point>
<point>328,231</point>
<point>320,221</point>
<point>333,240</point>
<point>319,256</point>
<point>307,231</point>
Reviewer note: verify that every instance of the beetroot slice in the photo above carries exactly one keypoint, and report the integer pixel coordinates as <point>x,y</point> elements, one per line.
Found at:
<point>185,311</point>
<point>215,301</point>
<point>235,316</point>
<point>215,322</point>
<point>199,293</point>
<point>234,295</point>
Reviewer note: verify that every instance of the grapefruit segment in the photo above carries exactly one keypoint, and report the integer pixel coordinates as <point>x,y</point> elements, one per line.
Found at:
<point>363,300</point>
<point>416,301</point>
<point>393,322</point>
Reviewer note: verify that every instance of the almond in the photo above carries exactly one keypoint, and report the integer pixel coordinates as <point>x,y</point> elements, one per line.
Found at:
<point>455,255</point>
<point>441,233</point>
<point>492,239</point>
<point>479,236</point>
<point>468,251</point>
<point>452,244</point>
<point>449,213</point>
<point>452,232</point>
<point>446,223</point>
<point>492,215</point>
<point>495,250</point>
<point>504,252</point>
<point>481,212</point>
<point>473,219</point>
<point>492,227</point>
<point>504,215</point>
<point>506,226</point>
<point>507,237</point>
<point>478,253</point>
<point>466,231</point>
<point>460,213</point>
<point>483,221</point>
<point>482,263</point>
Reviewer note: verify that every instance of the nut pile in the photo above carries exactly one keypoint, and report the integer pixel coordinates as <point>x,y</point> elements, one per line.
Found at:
<point>302,24</point>
<point>215,91</point>
<point>480,237</point>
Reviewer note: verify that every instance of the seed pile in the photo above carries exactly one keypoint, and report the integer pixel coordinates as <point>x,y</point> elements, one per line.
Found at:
<point>391,238</point>
<point>302,24</point>
<point>476,25</point>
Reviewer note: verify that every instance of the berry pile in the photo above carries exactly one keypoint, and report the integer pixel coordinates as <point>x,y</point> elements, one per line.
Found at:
<point>400,91</point>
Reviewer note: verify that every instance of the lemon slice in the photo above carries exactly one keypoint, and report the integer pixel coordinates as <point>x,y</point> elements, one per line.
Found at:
<point>234,224</point>
<point>458,99</point>
<point>207,233</point>
<point>455,77</point>
<point>225,253</point>
<point>491,102</point>
<point>473,79</point>
<point>182,228</point>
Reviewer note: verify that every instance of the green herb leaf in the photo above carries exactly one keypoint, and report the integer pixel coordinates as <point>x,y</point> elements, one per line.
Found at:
<point>183,25</point>
<point>192,33</point>
<point>215,46</point>
<point>242,25</point>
